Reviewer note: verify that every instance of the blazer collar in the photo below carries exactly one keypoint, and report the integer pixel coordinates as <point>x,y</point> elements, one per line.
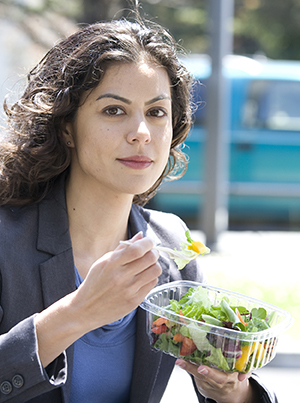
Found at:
<point>57,273</point>
<point>139,220</point>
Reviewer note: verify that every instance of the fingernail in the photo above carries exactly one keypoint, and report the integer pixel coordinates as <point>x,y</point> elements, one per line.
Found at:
<point>137,235</point>
<point>180,363</point>
<point>243,377</point>
<point>202,371</point>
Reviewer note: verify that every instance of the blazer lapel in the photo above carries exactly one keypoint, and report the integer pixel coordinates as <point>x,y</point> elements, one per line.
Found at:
<point>57,277</point>
<point>152,369</point>
<point>146,364</point>
<point>57,273</point>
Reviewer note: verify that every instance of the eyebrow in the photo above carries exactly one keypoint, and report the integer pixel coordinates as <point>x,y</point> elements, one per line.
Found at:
<point>159,98</point>
<point>127,101</point>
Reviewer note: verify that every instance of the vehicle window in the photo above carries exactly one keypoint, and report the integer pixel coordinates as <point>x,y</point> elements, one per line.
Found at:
<point>274,105</point>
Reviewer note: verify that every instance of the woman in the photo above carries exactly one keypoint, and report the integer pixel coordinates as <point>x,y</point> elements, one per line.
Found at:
<point>97,129</point>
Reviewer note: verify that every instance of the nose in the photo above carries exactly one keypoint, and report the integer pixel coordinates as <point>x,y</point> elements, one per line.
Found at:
<point>139,132</point>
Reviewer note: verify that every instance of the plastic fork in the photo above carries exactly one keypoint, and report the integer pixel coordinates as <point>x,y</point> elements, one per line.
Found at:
<point>172,253</point>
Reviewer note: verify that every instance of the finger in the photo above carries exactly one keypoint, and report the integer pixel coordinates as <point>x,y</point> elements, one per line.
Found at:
<point>206,373</point>
<point>151,273</point>
<point>192,368</point>
<point>143,271</point>
<point>136,237</point>
<point>141,257</point>
<point>124,264</point>
<point>135,251</point>
<point>187,366</point>
<point>243,377</point>
<point>144,285</point>
<point>217,376</point>
<point>131,267</point>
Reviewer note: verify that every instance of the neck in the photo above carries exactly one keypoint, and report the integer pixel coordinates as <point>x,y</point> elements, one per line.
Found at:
<point>97,223</point>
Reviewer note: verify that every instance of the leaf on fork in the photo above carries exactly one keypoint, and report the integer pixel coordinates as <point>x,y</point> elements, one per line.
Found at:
<point>190,250</point>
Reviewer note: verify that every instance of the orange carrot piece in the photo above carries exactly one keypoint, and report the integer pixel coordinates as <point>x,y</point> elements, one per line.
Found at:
<point>159,329</point>
<point>240,317</point>
<point>178,337</point>
<point>159,322</point>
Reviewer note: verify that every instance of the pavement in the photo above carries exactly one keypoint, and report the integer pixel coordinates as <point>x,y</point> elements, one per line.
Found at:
<point>265,265</point>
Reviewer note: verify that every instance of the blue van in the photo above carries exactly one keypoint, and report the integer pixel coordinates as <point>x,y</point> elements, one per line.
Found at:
<point>264,171</point>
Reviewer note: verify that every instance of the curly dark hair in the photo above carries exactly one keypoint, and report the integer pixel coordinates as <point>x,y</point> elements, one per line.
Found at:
<point>34,154</point>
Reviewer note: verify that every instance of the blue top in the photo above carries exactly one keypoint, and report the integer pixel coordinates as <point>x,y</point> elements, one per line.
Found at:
<point>103,361</point>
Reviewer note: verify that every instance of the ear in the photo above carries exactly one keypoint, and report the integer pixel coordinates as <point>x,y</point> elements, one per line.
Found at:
<point>67,135</point>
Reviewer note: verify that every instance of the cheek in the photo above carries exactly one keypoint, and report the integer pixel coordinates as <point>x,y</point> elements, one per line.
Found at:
<point>169,138</point>
<point>165,147</point>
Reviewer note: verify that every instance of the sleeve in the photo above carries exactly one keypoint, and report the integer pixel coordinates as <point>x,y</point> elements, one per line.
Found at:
<point>22,375</point>
<point>266,395</point>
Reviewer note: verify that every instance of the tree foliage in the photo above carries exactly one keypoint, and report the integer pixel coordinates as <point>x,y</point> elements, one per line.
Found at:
<point>270,27</point>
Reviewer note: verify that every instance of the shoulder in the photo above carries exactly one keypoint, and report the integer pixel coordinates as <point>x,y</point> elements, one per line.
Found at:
<point>12,217</point>
<point>18,228</point>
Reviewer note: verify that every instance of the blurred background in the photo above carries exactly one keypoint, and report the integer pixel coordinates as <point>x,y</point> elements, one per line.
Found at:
<point>241,192</point>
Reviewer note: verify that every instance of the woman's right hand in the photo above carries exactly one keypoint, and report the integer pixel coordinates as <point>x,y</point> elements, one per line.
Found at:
<point>118,282</point>
<point>114,286</point>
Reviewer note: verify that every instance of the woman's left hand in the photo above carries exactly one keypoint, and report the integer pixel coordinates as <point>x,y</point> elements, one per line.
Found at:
<point>220,386</point>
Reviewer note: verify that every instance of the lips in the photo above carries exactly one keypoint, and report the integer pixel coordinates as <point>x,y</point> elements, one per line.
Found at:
<point>136,161</point>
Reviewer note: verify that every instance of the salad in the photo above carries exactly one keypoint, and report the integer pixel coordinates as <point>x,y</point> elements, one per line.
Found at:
<point>214,339</point>
<point>190,250</point>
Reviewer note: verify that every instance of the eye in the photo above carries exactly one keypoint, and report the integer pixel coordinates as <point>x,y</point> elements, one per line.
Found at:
<point>157,112</point>
<point>113,111</point>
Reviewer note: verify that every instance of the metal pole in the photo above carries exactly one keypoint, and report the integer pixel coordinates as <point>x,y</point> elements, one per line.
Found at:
<point>215,209</point>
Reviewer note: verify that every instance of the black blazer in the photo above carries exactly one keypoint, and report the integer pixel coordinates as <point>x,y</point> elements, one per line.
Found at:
<point>37,269</point>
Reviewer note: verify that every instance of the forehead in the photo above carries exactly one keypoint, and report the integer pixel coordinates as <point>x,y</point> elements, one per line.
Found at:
<point>128,76</point>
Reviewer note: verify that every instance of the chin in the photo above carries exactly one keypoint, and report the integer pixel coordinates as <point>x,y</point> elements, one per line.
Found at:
<point>141,188</point>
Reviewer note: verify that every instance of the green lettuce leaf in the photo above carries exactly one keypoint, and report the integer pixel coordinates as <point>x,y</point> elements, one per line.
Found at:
<point>199,338</point>
<point>200,298</point>
<point>217,358</point>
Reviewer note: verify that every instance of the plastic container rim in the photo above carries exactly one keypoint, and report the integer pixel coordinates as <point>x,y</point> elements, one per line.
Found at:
<point>267,333</point>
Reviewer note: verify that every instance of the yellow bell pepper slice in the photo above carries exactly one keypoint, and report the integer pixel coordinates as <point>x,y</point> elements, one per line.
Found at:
<point>241,362</point>
<point>196,246</point>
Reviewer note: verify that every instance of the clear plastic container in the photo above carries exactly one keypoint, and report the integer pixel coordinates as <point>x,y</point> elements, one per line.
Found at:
<point>216,346</point>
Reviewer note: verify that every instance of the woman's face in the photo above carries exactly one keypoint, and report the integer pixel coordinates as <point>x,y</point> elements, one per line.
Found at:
<point>121,135</point>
